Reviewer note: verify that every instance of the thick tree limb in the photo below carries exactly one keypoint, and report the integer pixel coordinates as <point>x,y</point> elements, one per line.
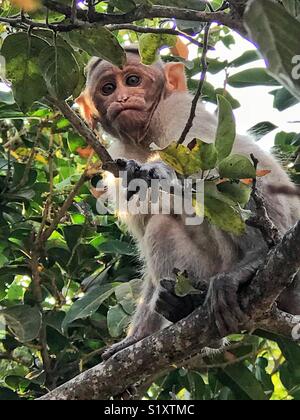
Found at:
<point>174,344</point>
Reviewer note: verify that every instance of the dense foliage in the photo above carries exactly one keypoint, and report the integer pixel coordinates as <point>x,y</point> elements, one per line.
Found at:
<point>69,279</point>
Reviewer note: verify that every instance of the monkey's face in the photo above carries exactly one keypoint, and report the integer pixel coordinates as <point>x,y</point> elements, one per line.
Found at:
<point>126,98</point>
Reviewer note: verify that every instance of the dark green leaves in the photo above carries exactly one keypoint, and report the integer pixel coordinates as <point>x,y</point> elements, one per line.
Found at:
<point>21,53</point>
<point>88,304</point>
<point>98,42</point>
<point>277,35</point>
<point>60,71</point>
<point>243,382</point>
<point>24,321</point>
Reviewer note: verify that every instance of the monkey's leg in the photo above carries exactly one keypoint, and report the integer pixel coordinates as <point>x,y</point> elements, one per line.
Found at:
<point>173,307</point>
<point>221,300</point>
<point>145,322</point>
<point>289,301</point>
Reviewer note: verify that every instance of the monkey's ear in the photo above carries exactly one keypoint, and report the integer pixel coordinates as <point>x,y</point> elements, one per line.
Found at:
<point>175,77</point>
<point>87,108</point>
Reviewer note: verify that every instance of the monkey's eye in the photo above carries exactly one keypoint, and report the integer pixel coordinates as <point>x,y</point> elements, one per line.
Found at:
<point>108,89</point>
<point>133,80</point>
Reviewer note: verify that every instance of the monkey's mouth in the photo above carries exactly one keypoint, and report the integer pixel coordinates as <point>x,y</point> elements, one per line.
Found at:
<point>123,110</point>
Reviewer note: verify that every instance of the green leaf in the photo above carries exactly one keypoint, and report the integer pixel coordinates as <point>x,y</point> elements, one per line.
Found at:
<point>123,5</point>
<point>183,286</point>
<point>277,35</point>
<point>88,304</point>
<point>98,42</point>
<point>125,297</point>
<point>116,247</point>
<point>73,235</point>
<point>60,71</point>
<point>21,53</point>
<point>224,216</point>
<point>261,129</point>
<point>293,7</point>
<point>117,321</point>
<point>24,321</point>
<point>233,102</point>
<point>237,192</point>
<point>221,210</point>
<point>246,58</point>
<point>226,130</point>
<point>75,141</point>
<point>237,167</point>
<point>283,99</point>
<point>208,156</point>
<point>150,44</point>
<point>241,381</point>
<point>8,395</point>
<point>252,77</point>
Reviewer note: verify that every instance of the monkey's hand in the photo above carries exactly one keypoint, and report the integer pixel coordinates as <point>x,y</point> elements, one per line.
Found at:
<point>173,307</point>
<point>146,172</point>
<point>222,298</point>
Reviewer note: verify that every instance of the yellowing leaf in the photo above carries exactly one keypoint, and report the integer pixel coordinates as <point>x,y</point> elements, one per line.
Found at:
<point>263,172</point>
<point>41,159</point>
<point>27,5</point>
<point>259,173</point>
<point>189,160</point>
<point>180,49</point>
<point>182,159</point>
<point>149,45</point>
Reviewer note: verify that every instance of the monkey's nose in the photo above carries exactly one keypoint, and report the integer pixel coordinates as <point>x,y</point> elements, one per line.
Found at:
<point>123,99</point>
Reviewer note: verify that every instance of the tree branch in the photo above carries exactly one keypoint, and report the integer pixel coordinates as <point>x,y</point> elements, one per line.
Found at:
<point>174,344</point>
<point>150,12</point>
<point>198,95</point>
<point>92,140</point>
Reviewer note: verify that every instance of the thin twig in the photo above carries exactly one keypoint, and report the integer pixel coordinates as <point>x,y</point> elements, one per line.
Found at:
<point>261,219</point>
<point>198,95</point>
<point>90,137</point>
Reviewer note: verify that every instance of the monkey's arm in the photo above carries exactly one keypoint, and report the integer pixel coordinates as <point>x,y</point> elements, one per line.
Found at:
<point>147,172</point>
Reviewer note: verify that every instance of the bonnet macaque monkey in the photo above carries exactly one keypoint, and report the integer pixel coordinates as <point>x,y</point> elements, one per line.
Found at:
<point>139,105</point>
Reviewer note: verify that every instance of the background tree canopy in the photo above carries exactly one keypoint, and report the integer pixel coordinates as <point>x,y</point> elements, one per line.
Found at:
<point>68,276</point>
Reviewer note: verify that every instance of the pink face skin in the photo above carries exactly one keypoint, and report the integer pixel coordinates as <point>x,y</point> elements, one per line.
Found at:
<point>126,98</point>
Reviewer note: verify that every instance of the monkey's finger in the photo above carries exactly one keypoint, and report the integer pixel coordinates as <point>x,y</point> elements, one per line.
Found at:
<point>221,314</point>
<point>233,304</point>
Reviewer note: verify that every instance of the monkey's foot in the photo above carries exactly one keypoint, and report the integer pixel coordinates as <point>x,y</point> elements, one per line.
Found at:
<point>146,172</point>
<point>223,305</point>
<point>173,307</point>
<point>127,342</point>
